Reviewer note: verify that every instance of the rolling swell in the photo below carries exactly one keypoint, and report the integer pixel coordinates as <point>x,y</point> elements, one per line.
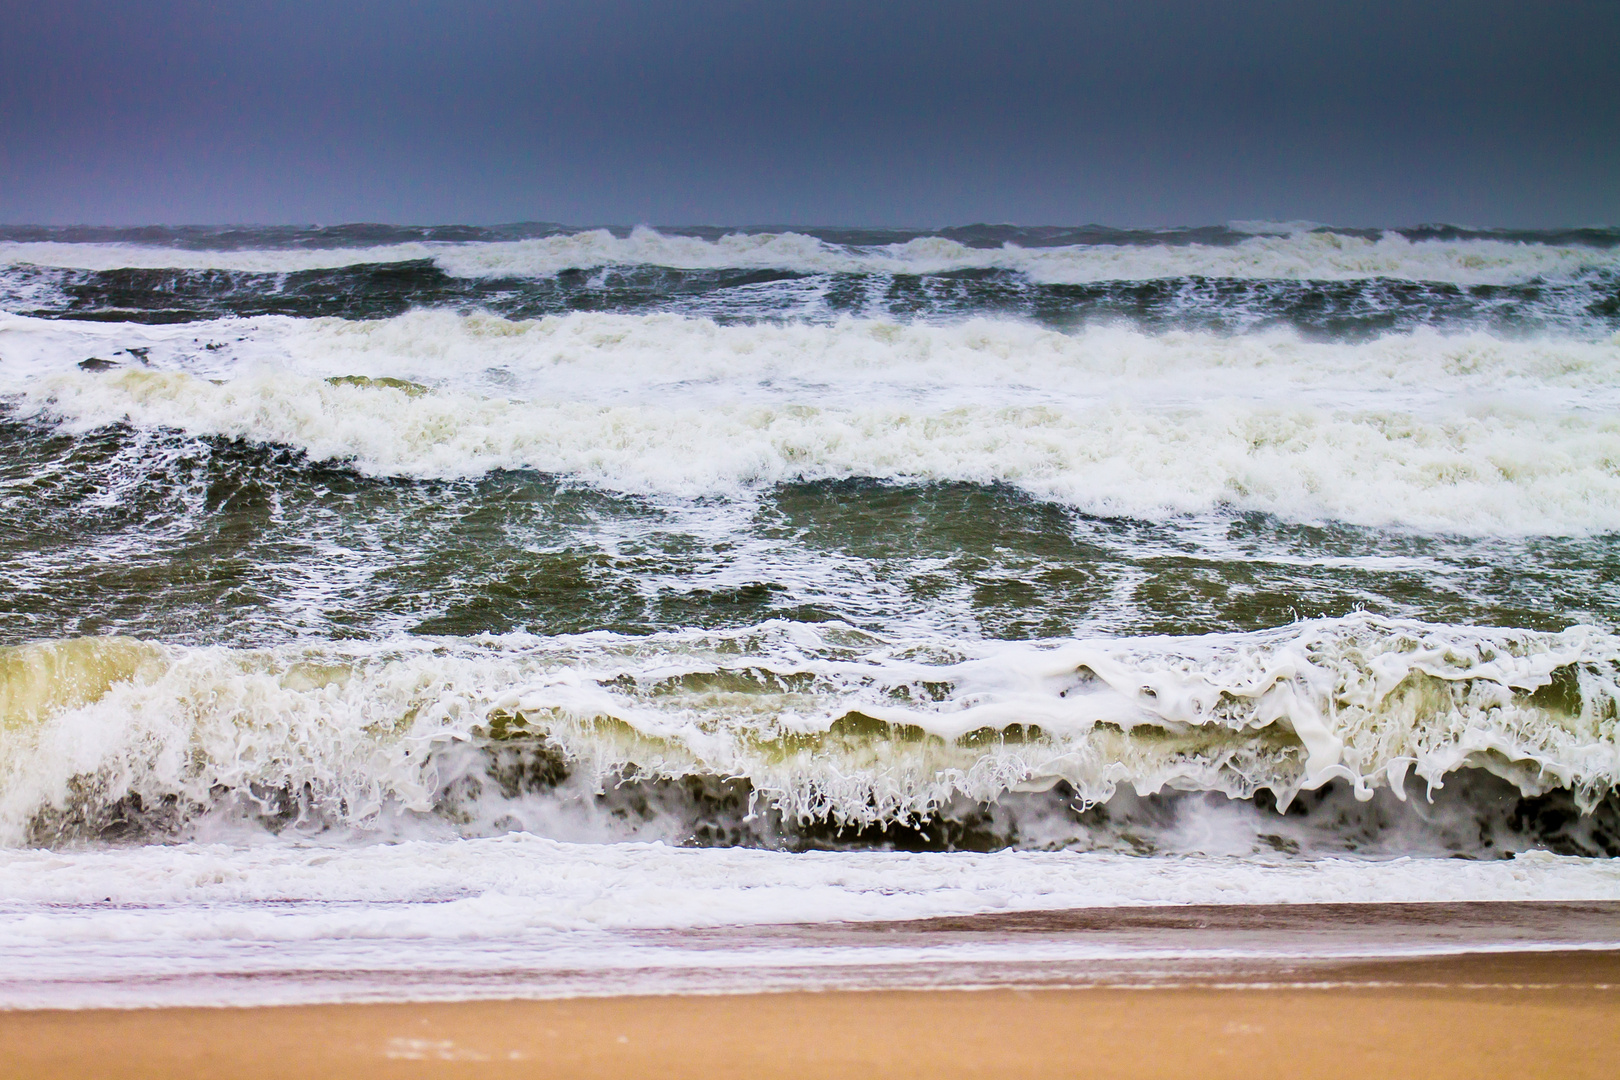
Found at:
<point>1328,310</point>
<point>1318,281</point>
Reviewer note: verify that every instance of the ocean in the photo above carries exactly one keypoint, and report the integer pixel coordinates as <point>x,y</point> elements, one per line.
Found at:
<point>404,613</point>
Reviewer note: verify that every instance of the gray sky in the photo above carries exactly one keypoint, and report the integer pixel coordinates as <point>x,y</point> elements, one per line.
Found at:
<point>880,112</point>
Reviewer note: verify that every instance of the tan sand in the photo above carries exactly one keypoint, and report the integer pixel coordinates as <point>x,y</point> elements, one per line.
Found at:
<point>1509,1015</point>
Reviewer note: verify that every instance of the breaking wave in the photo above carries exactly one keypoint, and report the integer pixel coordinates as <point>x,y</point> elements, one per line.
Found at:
<point>1313,254</point>
<point>810,723</point>
<point>1470,433</point>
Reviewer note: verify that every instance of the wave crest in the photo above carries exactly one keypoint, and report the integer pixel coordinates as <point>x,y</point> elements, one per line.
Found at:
<point>1468,434</point>
<point>1316,254</point>
<point>816,722</point>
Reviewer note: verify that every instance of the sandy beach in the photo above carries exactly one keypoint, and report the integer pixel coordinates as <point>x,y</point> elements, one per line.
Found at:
<point>1551,1014</point>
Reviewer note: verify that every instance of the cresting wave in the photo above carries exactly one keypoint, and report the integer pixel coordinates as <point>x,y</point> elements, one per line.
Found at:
<point>1467,433</point>
<point>812,723</point>
<point>1321,254</point>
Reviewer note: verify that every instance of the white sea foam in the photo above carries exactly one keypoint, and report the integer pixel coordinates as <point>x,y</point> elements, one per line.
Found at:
<point>1466,433</point>
<point>823,722</point>
<point>522,882</point>
<point>1292,254</point>
<point>523,917</point>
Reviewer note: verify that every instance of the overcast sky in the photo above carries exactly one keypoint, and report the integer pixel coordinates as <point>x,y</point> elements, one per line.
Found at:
<point>879,112</point>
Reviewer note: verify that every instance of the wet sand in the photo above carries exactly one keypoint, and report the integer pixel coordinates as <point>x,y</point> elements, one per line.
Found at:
<point>1517,1014</point>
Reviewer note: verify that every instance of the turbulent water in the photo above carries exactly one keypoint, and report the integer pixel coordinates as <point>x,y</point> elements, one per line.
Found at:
<point>1264,544</point>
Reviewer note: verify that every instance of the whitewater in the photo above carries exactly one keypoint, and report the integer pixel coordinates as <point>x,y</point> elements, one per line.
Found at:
<point>387,595</point>
<point>1446,432</point>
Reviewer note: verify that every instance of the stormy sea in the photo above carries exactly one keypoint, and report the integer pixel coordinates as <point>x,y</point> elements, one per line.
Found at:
<point>393,613</point>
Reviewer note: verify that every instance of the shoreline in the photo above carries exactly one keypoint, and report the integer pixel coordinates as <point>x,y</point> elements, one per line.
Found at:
<point>1166,946</point>
<point>1475,989</point>
<point>1519,1014</point>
